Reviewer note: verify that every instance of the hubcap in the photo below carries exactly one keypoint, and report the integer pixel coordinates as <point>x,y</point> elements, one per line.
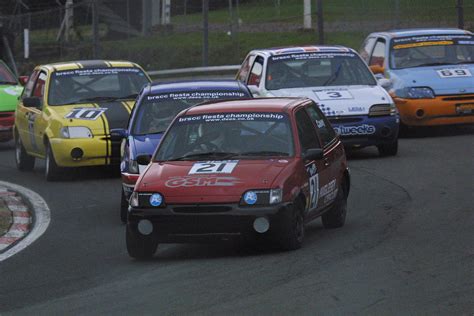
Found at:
<point>18,151</point>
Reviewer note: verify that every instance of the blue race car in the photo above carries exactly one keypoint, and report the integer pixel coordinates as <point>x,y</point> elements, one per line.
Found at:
<point>156,107</point>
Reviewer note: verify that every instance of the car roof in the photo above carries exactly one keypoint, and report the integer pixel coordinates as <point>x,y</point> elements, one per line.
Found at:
<point>304,49</point>
<point>88,64</point>
<point>421,31</point>
<point>247,105</point>
<point>196,85</point>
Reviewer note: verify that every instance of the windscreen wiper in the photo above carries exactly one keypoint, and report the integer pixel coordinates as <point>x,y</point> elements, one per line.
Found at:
<point>210,154</point>
<point>264,153</point>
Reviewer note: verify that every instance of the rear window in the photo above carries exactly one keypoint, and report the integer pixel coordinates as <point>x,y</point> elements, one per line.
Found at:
<point>156,111</point>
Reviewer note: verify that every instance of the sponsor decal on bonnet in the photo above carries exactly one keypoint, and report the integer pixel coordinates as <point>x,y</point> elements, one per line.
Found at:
<point>364,129</point>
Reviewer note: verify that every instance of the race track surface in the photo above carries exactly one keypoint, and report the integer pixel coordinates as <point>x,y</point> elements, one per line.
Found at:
<point>407,247</point>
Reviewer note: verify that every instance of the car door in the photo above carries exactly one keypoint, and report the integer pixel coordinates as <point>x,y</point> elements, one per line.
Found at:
<point>38,118</point>
<point>244,70</point>
<point>316,170</point>
<point>255,78</point>
<point>366,49</point>
<point>22,114</point>
<point>333,154</point>
<point>378,57</point>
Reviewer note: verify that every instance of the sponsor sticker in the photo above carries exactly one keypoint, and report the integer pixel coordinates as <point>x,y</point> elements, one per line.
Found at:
<point>313,185</point>
<point>328,191</point>
<point>210,167</point>
<point>14,91</point>
<point>96,71</point>
<point>208,95</point>
<point>201,181</point>
<point>312,55</point>
<point>222,117</point>
<point>363,129</point>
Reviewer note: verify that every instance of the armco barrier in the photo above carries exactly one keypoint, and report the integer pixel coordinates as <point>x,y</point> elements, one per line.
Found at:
<point>220,71</point>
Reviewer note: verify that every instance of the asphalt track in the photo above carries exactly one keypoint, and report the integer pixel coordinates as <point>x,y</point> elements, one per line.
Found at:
<point>407,248</point>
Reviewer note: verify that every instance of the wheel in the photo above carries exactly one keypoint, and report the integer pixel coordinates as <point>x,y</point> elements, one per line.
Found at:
<point>139,246</point>
<point>390,149</point>
<point>51,171</point>
<point>292,230</point>
<point>24,162</point>
<point>123,208</point>
<point>336,216</point>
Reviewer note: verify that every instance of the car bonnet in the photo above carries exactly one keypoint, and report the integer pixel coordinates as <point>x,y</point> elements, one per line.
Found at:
<point>184,182</point>
<point>340,100</point>
<point>431,77</point>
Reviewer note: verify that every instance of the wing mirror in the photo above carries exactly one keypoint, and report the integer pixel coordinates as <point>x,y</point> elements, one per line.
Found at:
<point>143,159</point>
<point>385,83</point>
<point>23,80</point>
<point>119,132</point>
<point>32,102</point>
<point>377,69</point>
<point>314,154</point>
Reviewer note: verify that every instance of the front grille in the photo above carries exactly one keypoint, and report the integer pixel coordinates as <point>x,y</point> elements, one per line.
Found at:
<point>342,120</point>
<point>6,114</point>
<point>193,209</point>
<point>460,98</point>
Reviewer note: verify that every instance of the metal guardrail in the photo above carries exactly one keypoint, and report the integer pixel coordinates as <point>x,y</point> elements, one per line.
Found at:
<point>194,70</point>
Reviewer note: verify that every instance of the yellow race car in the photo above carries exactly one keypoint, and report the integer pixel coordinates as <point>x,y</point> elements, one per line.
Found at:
<point>67,110</point>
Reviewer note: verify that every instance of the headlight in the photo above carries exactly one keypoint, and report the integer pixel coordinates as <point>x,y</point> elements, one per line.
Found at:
<point>133,166</point>
<point>75,132</point>
<point>154,199</point>
<point>420,93</point>
<point>261,197</point>
<point>382,110</point>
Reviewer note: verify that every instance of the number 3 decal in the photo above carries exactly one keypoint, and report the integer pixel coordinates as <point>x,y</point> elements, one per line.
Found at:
<point>206,167</point>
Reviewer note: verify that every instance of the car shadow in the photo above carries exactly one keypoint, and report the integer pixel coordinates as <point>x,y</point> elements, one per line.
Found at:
<point>437,131</point>
<point>230,249</point>
<point>7,146</point>
<point>84,173</point>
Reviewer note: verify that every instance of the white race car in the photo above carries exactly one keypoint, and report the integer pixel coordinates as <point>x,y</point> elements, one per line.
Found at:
<point>338,80</point>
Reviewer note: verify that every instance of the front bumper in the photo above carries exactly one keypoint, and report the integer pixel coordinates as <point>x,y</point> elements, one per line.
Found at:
<point>201,223</point>
<point>96,151</point>
<point>7,119</point>
<point>442,110</point>
<point>362,130</point>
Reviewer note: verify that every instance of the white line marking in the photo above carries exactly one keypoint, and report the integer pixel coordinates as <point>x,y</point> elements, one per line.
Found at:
<point>42,217</point>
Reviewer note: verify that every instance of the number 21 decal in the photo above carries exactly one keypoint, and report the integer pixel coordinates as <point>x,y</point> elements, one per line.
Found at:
<point>209,167</point>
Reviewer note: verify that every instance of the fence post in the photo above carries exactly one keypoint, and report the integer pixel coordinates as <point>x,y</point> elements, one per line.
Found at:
<point>460,9</point>
<point>95,29</point>
<point>307,15</point>
<point>205,32</point>
<point>319,6</point>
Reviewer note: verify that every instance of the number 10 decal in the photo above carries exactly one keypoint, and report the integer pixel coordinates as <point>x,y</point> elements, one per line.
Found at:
<point>209,167</point>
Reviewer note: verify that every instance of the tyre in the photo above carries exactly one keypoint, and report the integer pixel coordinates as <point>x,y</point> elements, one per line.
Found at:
<point>51,171</point>
<point>24,162</point>
<point>292,230</point>
<point>123,208</point>
<point>139,246</point>
<point>390,149</point>
<point>336,216</point>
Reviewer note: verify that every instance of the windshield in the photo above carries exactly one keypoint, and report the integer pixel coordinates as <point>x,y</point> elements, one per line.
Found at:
<point>93,85</point>
<point>227,135</point>
<point>317,69</point>
<point>155,112</point>
<point>431,50</point>
<point>6,77</point>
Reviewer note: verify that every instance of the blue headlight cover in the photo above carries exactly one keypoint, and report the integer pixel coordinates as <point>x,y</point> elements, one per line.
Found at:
<point>156,199</point>
<point>250,197</point>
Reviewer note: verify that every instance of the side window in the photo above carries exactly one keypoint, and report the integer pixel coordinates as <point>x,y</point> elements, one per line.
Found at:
<point>306,133</point>
<point>256,72</point>
<point>378,55</point>
<point>30,84</point>
<point>326,132</point>
<point>366,49</point>
<point>38,91</point>
<point>245,68</point>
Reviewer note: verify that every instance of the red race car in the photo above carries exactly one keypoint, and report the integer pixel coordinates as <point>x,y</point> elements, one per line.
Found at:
<point>245,168</point>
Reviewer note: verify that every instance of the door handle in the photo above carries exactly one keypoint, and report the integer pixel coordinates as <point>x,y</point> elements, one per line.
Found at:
<point>326,162</point>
